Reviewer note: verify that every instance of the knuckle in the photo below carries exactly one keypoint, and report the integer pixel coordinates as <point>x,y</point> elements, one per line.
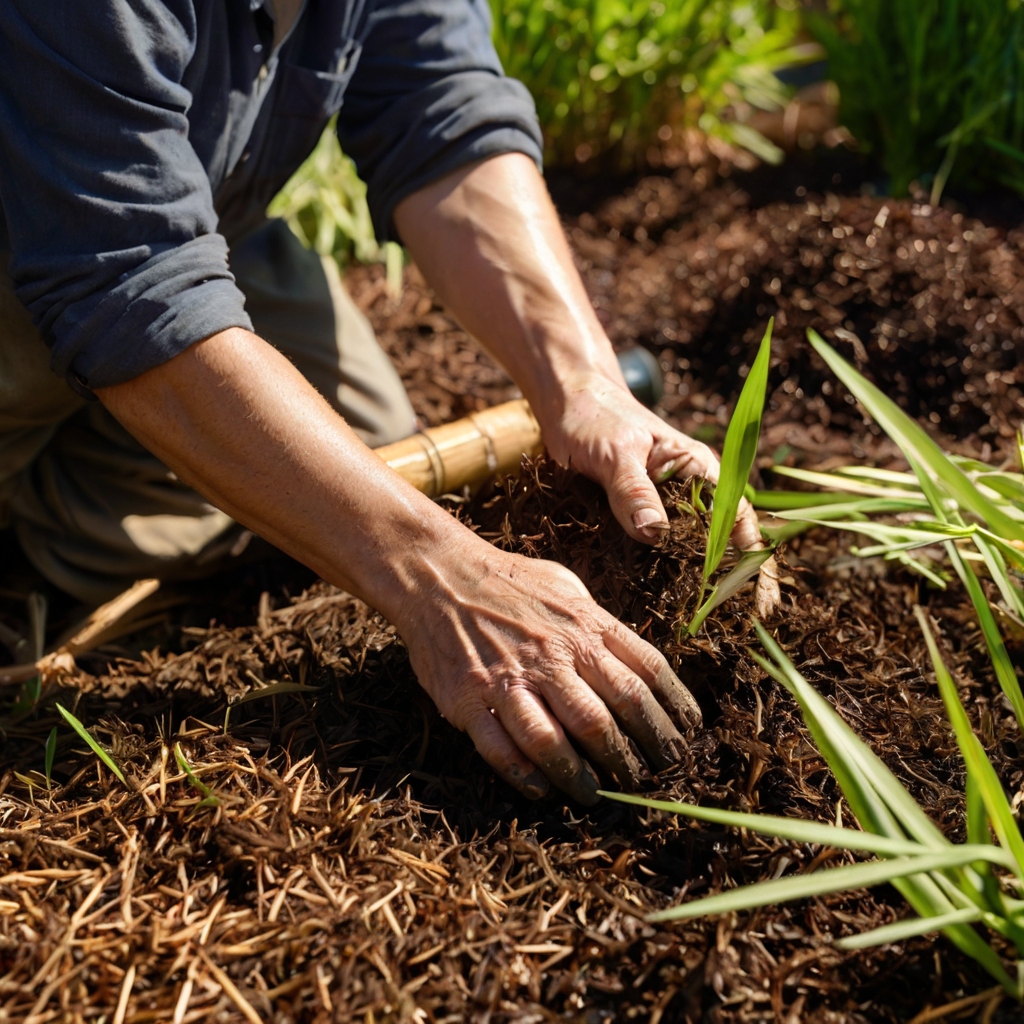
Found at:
<point>629,692</point>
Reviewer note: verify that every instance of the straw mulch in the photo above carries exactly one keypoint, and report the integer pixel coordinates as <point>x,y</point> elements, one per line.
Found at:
<point>340,852</point>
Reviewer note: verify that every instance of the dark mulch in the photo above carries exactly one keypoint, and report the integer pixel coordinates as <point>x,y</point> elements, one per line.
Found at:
<point>361,861</point>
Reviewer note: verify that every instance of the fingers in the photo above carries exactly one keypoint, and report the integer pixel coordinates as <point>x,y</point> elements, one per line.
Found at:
<point>536,732</point>
<point>634,500</point>
<point>496,747</point>
<point>636,707</point>
<point>652,667</point>
<point>588,721</point>
<point>682,456</point>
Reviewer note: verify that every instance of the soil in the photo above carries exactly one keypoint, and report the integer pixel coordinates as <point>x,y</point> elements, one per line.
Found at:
<point>358,861</point>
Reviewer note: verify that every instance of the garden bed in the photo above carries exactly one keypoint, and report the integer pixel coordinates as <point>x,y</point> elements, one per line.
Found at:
<point>363,863</point>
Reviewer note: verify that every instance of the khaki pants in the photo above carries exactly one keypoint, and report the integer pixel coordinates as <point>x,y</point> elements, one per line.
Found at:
<point>94,510</point>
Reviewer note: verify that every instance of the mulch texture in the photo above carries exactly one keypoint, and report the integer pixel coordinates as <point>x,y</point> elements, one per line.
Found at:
<point>348,856</point>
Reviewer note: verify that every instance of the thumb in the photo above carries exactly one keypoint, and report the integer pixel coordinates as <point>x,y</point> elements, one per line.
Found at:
<point>635,502</point>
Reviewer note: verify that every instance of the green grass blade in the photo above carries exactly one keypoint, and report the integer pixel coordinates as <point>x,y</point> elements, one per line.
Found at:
<point>274,690</point>
<point>878,799</point>
<point>49,753</point>
<point>820,883</point>
<point>210,799</point>
<point>741,573</point>
<point>996,565</point>
<point>93,744</point>
<point>845,485</point>
<point>738,454</point>
<point>784,828</point>
<point>977,762</point>
<point>783,501</point>
<point>853,507</point>
<point>1006,485</point>
<point>916,444</point>
<point>908,929</point>
<point>1001,664</point>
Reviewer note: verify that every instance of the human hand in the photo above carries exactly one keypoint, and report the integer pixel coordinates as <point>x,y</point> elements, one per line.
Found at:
<point>517,654</point>
<point>603,432</point>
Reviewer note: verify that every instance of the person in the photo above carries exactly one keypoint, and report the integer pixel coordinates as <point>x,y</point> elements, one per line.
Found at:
<point>173,363</point>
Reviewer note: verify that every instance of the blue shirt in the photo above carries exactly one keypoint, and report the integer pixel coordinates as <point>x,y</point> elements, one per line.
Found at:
<point>138,137</point>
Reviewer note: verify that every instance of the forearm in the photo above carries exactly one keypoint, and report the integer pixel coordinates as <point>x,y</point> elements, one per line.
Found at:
<point>489,242</point>
<point>234,419</point>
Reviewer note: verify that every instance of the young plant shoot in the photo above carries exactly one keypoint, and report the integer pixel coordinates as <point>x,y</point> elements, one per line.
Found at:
<point>738,454</point>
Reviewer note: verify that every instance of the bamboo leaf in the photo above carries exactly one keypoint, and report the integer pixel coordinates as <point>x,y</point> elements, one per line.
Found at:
<point>738,455</point>
<point>93,744</point>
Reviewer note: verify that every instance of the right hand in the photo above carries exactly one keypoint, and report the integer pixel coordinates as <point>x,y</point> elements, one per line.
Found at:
<point>516,653</point>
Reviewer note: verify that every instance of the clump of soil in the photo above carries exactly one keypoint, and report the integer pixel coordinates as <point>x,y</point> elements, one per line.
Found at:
<point>357,860</point>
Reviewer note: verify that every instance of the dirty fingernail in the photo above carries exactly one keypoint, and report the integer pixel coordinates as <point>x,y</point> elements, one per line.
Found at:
<point>648,518</point>
<point>535,785</point>
<point>587,785</point>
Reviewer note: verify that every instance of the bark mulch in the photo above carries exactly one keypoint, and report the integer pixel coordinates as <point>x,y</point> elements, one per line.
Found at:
<point>336,851</point>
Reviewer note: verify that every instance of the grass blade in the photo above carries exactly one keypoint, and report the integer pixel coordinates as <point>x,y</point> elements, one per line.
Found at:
<point>274,690</point>
<point>49,753</point>
<point>785,828</point>
<point>916,444</point>
<point>820,883</point>
<point>93,744</point>
<point>738,455</point>
<point>210,799</point>
<point>744,570</point>
<point>835,484</point>
<point>977,762</point>
<point>1001,664</point>
<point>908,929</point>
<point>876,796</point>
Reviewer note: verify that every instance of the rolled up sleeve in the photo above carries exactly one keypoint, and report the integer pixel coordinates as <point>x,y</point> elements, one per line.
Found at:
<point>110,218</point>
<point>428,96</point>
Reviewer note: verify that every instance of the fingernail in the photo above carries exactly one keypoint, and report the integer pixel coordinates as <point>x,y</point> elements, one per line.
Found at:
<point>667,471</point>
<point>535,785</point>
<point>646,518</point>
<point>587,785</point>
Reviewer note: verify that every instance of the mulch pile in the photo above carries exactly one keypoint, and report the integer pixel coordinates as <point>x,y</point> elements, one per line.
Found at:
<point>341,853</point>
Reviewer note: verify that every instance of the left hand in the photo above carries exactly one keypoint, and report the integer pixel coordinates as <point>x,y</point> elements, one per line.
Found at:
<point>602,431</point>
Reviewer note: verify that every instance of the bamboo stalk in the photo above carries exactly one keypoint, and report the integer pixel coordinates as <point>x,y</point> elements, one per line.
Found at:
<point>443,460</point>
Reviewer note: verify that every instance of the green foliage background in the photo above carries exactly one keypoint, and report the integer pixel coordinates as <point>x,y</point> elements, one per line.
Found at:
<point>606,75</point>
<point>931,88</point>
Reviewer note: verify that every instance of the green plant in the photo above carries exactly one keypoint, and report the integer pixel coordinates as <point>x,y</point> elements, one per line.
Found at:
<point>49,753</point>
<point>932,87</point>
<point>93,744</point>
<point>324,203</point>
<point>973,512</point>
<point>607,75</point>
<point>209,798</point>
<point>949,886</point>
<point>738,454</point>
